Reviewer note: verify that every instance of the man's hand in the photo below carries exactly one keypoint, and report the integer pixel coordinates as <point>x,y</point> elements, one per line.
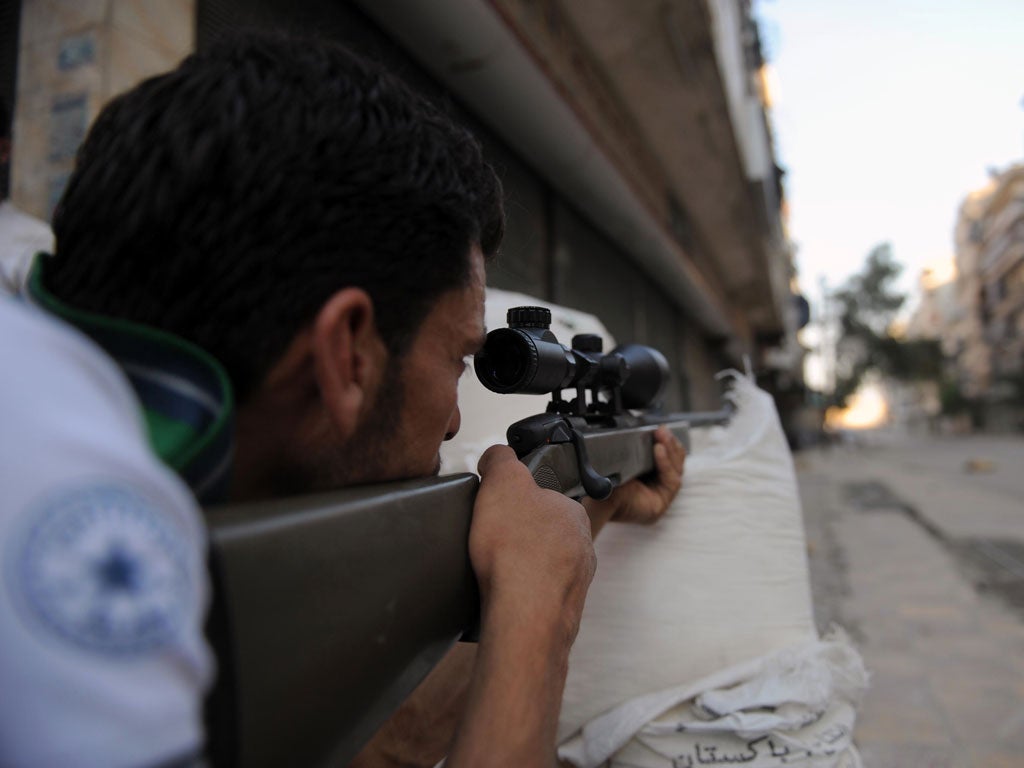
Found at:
<point>533,556</point>
<point>534,559</point>
<point>530,548</point>
<point>644,501</point>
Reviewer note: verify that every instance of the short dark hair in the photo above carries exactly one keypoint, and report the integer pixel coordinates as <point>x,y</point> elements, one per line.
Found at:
<point>227,200</point>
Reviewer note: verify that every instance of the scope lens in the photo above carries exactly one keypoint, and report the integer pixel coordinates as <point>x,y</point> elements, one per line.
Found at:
<point>503,364</point>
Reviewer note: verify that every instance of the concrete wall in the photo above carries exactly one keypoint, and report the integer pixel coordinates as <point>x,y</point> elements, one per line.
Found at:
<point>744,102</point>
<point>74,56</point>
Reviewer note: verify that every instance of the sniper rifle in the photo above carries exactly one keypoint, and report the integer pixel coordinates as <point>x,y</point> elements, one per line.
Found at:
<point>330,609</point>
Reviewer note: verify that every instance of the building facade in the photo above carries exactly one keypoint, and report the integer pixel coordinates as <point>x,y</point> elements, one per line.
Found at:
<point>971,355</point>
<point>1001,274</point>
<point>633,140</point>
<point>939,314</point>
<point>990,293</point>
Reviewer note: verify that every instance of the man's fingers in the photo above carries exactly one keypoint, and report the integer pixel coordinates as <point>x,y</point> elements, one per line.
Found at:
<point>669,475</point>
<point>677,452</point>
<point>669,457</point>
<point>494,457</point>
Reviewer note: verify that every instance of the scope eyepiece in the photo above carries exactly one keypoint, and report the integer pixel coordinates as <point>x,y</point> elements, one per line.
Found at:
<point>528,360</point>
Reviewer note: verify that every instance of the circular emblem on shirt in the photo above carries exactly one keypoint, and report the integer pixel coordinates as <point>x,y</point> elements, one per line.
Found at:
<point>104,570</point>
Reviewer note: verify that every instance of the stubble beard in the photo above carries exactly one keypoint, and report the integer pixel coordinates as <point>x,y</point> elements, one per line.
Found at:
<point>370,454</point>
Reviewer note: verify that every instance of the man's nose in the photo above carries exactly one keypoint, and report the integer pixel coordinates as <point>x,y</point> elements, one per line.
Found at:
<point>454,424</point>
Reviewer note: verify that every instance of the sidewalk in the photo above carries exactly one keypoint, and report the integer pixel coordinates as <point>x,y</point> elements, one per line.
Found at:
<point>948,664</point>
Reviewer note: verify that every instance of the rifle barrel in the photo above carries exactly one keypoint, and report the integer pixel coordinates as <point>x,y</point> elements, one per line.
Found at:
<point>697,418</point>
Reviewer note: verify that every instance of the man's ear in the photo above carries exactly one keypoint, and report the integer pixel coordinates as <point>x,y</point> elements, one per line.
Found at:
<point>349,356</point>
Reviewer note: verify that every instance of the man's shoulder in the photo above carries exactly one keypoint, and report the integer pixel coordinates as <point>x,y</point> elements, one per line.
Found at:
<point>52,366</point>
<point>102,551</point>
<point>68,412</point>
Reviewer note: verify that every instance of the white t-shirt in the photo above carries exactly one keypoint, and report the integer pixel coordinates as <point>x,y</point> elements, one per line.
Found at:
<point>21,238</point>
<point>103,585</point>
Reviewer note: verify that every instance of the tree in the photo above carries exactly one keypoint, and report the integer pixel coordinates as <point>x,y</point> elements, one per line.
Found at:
<point>868,303</point>
<point>868,300</point>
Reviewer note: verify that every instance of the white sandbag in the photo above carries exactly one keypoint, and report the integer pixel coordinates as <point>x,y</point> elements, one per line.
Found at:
<point>697,602</point>
<point>720,580</point>
<point>793,707</point>
<point>694,605</point>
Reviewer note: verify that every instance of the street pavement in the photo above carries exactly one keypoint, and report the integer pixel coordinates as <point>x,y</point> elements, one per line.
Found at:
<point>916,548</point>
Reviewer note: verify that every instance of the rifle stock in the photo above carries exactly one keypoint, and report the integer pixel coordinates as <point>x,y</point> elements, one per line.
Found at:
<point>338,605</point>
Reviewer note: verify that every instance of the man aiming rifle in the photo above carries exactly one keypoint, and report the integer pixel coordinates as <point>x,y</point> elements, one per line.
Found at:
<point>283,250</point>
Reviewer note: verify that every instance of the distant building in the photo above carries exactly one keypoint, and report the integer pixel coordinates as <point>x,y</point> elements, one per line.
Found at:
<point>990,290</point>
<point>972,355</point>
<point>1001,269</point>
<point>938,314</point>
<point>938,317</point>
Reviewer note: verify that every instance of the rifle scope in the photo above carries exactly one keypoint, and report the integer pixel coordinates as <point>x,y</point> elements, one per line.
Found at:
<point>526,358</point>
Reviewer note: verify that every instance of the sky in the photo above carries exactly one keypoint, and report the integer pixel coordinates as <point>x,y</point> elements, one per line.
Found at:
<point>887,113</point>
